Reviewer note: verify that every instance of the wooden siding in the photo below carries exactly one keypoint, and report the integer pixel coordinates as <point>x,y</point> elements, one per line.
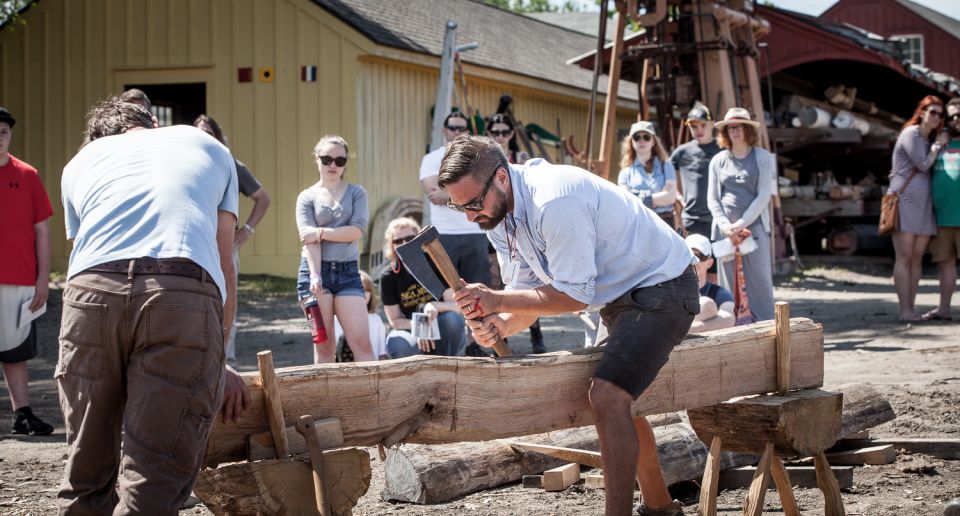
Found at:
<point>73,52</point>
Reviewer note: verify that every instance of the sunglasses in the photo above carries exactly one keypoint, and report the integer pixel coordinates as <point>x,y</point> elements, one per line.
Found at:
<point>954,118</point>
<point>642,136</point>
<point>403,240</point>
<point>327,160</point>
<point>457,128</point>
<point>937,113</point>
<point>500,134</point>
<point>476,204</point>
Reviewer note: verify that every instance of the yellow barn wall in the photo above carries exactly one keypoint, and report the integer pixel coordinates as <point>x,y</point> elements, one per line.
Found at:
<point>395,99</point>
<point>71,53</point>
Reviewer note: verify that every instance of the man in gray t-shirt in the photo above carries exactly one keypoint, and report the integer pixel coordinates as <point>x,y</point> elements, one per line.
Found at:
<point>692,161</point>
<point>150,295</point>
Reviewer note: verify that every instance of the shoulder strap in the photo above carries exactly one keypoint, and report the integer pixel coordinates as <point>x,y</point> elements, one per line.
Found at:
<point>905,185</point>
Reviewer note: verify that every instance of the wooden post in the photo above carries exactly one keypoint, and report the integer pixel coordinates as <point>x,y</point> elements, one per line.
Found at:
<point>783,347</point>
<point>827,482</point>
<point>306,428</point>
<point>753,504</point>
<point>268,379</point>
<point>782,479</point>
<point>609,130</point>
<point>711,475</point>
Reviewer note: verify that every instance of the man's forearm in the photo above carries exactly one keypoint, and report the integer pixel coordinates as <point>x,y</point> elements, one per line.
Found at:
<point>42,235</point>
<point>544,300</point>
<point>261,201</point>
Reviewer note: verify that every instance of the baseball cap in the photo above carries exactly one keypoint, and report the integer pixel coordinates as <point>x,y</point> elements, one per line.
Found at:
<point>700,243</point>
<point>643,126</point>
<point>699,112</point>
<point>5,116</point>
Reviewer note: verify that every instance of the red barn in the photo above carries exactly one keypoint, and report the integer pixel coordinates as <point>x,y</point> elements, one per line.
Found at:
<point>931,38</point>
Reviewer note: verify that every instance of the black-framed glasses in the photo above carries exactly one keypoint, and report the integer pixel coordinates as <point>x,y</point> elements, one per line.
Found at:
<point>953,118</point>
<point>457,128</point>
<point>476,204</point>
<point>644,136</point>
<point>500,134</point>
<point>938,113</point>
<point>403,240</point>
<point>327,160</point>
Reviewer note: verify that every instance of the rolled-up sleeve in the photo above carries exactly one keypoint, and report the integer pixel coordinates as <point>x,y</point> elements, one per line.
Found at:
<point>568,228</point>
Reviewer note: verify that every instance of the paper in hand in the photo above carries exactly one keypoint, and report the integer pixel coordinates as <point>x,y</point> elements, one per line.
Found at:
<point>26,316</point>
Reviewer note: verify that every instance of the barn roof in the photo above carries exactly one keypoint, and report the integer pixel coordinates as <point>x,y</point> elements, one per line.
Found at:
<point>507,40</point>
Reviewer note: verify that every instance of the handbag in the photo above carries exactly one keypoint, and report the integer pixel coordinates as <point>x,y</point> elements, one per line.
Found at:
<point>890,209</point>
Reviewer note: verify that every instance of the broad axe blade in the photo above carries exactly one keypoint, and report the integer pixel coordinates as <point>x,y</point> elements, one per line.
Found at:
<point>413,258</point>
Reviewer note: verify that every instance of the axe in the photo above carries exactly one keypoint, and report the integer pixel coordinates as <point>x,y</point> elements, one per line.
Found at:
<point>412,257</point>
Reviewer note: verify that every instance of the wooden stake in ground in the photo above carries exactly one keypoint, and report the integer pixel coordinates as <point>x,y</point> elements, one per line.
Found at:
<point>271,394</point>
<point>309,432</point>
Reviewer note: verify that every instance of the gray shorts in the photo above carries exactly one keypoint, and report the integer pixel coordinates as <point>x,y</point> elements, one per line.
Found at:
<point>642,327</point>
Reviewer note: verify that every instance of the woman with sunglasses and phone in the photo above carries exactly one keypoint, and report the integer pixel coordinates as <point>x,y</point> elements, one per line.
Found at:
<point>331,217</point>
<point>500,127</point>
<point>916,150</point>
<point>646,172</point>
<point>402,295</point>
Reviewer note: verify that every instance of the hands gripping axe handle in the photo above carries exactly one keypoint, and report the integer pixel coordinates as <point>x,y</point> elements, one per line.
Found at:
<point>411,254</point>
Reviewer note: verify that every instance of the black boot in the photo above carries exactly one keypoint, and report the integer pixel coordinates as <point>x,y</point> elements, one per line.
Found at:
<point>536,338</point>
<point>24,422</point>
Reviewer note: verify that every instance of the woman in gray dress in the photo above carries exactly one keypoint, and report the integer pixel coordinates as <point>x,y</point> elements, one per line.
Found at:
<point>913,155</point>
<point>331,217</point>
<point>740,186</point>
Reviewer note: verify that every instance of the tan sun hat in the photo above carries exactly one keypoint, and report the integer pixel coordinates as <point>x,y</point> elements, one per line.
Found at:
<point>737,115</point>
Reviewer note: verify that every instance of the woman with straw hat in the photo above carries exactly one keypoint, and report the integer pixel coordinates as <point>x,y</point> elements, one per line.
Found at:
<point>742,182</point>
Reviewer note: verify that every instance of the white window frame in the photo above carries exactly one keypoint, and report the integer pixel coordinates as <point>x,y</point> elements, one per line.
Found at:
<point>907,38</point>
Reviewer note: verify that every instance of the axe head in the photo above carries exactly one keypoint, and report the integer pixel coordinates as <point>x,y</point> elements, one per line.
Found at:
<point>413,258</point>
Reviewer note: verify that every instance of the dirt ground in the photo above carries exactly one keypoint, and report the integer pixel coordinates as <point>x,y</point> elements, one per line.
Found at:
<point>917,367</point>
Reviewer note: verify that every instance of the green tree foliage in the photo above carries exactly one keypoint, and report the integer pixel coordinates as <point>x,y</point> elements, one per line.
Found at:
<point>535,6</point>
<point>9,10</point>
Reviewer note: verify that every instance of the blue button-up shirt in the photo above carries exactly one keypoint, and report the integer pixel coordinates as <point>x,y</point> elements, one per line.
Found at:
<point>585,236</point>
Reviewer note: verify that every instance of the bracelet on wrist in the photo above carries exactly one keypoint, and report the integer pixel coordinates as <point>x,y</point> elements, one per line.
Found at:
<point>249,228</point>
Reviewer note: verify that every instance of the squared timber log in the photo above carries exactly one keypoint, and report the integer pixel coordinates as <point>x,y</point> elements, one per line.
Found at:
<point>799,423</point>
<point>432,400</point>
<point>558,479</point>
<point>800,476</point>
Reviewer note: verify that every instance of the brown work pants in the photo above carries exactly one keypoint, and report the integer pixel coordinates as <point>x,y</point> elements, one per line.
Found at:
<point>142,354</point>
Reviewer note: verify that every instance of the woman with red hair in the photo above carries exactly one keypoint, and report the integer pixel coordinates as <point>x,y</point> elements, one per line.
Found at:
<point>915,151</point>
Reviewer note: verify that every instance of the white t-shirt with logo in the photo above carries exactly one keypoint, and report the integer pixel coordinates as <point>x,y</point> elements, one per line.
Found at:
<point>447,221</point>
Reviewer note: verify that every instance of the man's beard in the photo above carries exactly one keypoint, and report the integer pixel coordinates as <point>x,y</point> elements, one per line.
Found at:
<point>499,212</point>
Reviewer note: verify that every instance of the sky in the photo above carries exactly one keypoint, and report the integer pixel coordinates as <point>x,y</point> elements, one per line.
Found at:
<point>950,8</point>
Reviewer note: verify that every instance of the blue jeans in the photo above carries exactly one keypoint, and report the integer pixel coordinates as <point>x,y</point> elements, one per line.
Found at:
<point>337,278</point>
<point>452,343</point>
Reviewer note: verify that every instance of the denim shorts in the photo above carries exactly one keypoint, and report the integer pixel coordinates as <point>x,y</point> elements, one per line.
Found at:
<point>337,278</point>
<point>642,328</point>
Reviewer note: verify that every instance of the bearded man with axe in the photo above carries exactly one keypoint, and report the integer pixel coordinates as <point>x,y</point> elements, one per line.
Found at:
<point>568,240</point>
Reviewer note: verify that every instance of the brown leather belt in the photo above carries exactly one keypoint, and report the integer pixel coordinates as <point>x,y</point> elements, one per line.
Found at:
<point>146,265</point>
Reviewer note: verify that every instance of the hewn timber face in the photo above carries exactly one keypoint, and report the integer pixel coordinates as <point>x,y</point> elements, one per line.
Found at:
<point>444,399</point>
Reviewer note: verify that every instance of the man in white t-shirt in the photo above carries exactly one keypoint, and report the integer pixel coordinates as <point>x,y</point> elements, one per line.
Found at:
<point>463,240</point>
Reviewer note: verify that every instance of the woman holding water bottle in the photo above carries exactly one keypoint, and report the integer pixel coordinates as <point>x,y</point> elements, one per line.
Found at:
<point>331,217</point>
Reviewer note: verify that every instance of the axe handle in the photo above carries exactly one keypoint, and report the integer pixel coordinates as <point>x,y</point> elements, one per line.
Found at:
<point>442,261</point>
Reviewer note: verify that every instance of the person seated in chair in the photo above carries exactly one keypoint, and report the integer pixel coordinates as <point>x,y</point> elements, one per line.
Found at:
<point>716,302</point>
